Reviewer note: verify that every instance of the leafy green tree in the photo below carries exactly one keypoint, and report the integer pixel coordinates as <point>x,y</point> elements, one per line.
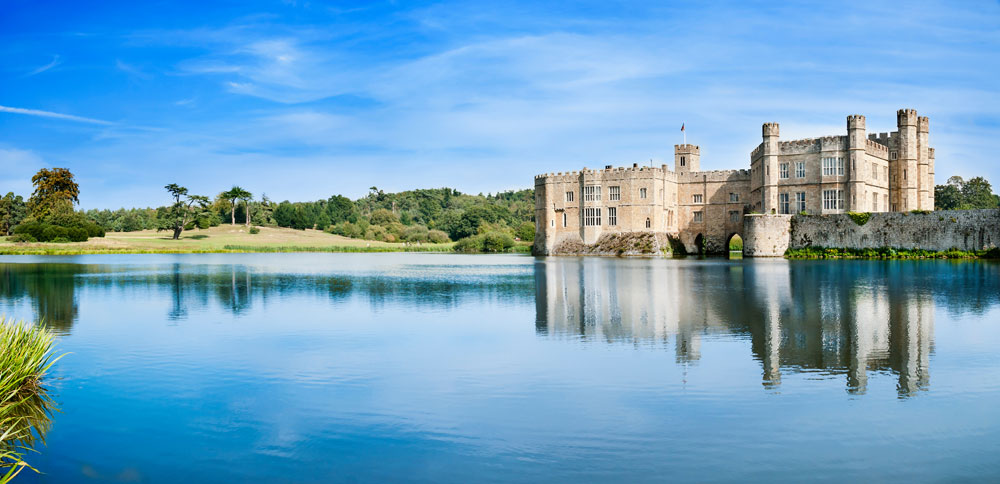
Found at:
<point>247,197</point>
<point>383,217</point>
<point>959,194</point>
<point>13,210</point>
<point>52,187</point>
<point>526,231</point>
<point>185,209</point>
<point>977,193</point>
<point>949,195</point>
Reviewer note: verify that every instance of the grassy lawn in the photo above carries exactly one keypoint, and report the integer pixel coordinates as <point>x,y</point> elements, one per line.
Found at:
<point>224,238</point>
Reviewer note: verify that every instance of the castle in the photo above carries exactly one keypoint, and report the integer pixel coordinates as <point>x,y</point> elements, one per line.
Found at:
<point>856,172</point>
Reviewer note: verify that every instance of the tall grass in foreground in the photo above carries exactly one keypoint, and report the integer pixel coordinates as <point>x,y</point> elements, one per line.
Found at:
<point>25,408</point>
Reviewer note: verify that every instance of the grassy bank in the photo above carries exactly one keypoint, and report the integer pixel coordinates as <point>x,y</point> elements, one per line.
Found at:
<point>888,253</point>
<point>25,357</point>
<point>221,239</point>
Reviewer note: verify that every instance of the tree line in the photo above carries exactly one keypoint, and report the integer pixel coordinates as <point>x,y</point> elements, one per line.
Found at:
<point>416,216</point>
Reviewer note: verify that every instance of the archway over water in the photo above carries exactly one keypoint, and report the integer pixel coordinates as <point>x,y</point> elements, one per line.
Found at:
<point>699,244</point>
<point>735,245</point>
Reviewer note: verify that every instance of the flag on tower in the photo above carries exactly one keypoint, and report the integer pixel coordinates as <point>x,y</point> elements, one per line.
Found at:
<point>682,126</point>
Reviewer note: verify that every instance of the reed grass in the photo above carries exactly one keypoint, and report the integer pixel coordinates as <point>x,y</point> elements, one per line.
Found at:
<point>26,356</point>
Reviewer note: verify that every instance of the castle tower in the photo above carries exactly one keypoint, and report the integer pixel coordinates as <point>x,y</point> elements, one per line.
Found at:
<point>770,166</point>
<point>855,162</point>
<point>687,158</point>
<point>907,172</point>
<point>925,181</point>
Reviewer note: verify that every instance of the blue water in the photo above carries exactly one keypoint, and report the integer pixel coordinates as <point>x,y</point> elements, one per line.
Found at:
<point>452,368</point>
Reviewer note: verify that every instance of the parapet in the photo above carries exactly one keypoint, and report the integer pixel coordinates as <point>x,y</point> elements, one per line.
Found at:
<point>876,149</point>
<point>923,124</point>
<point>687,149</point>
<point>809,145</point>
<point>906,117</point>
<point>855,121</point>
<point>770,129</point>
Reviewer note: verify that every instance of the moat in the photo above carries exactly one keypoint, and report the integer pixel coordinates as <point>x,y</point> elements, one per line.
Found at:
<point>454,368</point>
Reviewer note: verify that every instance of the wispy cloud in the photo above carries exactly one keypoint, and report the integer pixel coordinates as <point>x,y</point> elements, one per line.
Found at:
<point>131,70</point>
<point>55,61</point>
<point>50,114</point>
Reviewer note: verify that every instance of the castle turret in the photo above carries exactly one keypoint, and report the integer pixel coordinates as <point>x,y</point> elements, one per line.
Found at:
<point>925,180</point>
<point>687,158</point>
<point>769,165</point>
<point>907,172</point>
<point>856,158</point>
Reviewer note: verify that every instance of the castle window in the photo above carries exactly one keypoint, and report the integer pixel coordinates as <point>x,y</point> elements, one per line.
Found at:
<point>874,202</point>
<point>612,215</point>
<point>569,196</point>
<point>642,193</point>
<point>783,206</point>
<point>682,161</point>
<point>800,169</point>
<point>833,199</point>
<point>614,193</point>
<point>734,216</point>
<point>734,197</point>
<point>904,173</point>
<point>874,171</point>
<point>783,170</point>
<point>885,201</point>
<point>552,223</point>
<point>893,155</point>
<point>800,202</point>
<point>697,216</point>
<point>698,198</point>
<point>565,219</point>
<point>648,224</point>
<point>592,193</point>
<point>591,217</point>
<point>833,166</point>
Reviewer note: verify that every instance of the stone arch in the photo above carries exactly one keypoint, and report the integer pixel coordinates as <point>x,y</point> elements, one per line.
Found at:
<point>735,236</point>
<point>649,223</point>
<point>699,244</point>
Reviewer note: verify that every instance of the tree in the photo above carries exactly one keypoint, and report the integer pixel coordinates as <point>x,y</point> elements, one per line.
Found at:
<point>246,197</point>
<point>12,211</point>
<point>958,194</point>
<point>185,209</point>
<point>232,196</point>
<point>977,193</point>
<point>52,187</point>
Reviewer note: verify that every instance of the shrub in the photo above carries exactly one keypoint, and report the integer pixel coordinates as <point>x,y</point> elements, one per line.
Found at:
<point>77,234</point>
<point>59,240</point>
<point>416,233</point>
<point>859,218</point>
<point>254,230</point>
<point>22,238</point>
<point>494,241</point>
<point>526,231</point>
<point>51,232</point>
<point>437,236</point>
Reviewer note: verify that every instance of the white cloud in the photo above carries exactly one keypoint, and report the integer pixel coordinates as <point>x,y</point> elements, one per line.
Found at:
<point>55,61</point>
<point>49,114</point>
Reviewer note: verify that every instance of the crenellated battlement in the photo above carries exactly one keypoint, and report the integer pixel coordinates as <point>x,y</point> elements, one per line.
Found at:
<point>810,145</point>
<point>923,124</point>
<point>770,129</point>
<point>687,148</point>
<point>876,149</point>
<point>757,152</point>
<point>855,121</point>
<point>906,117</point>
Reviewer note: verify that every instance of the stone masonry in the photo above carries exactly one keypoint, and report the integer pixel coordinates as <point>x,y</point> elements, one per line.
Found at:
<point>887,172</point>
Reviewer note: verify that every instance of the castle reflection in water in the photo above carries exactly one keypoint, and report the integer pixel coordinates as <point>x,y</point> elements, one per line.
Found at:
<point>850,319</point>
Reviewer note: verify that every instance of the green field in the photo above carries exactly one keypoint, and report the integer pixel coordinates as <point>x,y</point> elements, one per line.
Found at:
<point>224,238</point>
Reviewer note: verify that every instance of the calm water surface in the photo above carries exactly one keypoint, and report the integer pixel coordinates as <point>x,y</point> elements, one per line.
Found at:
<point>449,368</point>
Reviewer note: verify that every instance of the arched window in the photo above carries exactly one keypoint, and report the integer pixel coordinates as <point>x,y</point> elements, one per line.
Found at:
<point>564,219</point>
<point>648,224</point>
<point>682,164</point>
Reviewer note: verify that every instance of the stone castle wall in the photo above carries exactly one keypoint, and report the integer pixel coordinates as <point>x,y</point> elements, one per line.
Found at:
<point>771,235</point>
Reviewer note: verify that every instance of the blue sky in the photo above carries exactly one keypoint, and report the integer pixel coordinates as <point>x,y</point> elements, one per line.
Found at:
<point>302,100</point>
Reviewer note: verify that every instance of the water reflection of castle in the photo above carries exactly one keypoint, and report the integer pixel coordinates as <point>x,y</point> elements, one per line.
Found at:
<point>848,319</point>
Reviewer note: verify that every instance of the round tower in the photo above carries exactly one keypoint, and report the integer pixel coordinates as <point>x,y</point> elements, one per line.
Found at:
<point>906,165</point>
<point>769,166</point>
<point>687,158</point>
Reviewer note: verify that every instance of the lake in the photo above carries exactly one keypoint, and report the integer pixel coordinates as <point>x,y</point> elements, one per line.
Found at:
<point>462,368</point>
